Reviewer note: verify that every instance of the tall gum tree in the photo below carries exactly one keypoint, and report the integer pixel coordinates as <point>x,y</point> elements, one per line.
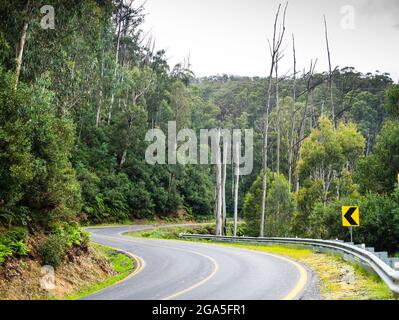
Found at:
<point>274,54</point>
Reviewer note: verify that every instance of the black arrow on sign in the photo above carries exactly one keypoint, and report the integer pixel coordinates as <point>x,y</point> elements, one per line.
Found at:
<point>348,216</point>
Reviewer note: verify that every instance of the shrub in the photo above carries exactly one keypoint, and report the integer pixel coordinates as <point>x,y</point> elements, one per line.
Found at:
<point>85,239</point>
<point>52,250</point>
<point>240,229</point>
<point>379,222</point>
<point>62,238</point>
<point>72,234</point>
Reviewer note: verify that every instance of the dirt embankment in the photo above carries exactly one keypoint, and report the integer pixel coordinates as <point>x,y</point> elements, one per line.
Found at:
<point>22,279</point>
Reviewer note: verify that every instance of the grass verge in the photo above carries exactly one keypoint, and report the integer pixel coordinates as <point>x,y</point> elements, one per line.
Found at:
<point>121,264</point>
<point>338,279</point>
<point>171,232</point>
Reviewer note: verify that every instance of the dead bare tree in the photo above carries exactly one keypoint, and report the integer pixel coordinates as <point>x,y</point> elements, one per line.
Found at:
<point>218,204</point>
<point>330,74</point>
<point>274,53</point>
<point>301,131</point>
<point>293,118</point>
<point>236,180</point>
<point>278,130</point>
<point>278,109</point>
<point>224,176</point>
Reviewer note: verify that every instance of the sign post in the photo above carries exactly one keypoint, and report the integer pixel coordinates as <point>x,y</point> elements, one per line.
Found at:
<point>350,218</point>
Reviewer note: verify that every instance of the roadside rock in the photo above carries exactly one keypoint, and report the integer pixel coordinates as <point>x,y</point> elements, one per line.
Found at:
<point>347,275</point>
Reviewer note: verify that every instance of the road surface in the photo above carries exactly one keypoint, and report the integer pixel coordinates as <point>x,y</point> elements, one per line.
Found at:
<point>168,269</point>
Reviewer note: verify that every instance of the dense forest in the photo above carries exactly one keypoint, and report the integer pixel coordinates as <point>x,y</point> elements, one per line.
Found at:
<point>76,102</point>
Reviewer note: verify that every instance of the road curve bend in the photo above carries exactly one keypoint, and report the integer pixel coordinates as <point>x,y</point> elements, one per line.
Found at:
<point>170,269</point>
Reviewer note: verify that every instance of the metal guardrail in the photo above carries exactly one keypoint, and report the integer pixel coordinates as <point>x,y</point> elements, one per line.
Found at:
<point>374,261</point>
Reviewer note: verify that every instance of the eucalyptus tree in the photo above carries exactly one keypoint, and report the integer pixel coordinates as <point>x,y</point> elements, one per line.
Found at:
<point>127,17</point>
<point>330,74</point>
<point>274,47</point>
<point>326,151</point>
<point>293,116</point>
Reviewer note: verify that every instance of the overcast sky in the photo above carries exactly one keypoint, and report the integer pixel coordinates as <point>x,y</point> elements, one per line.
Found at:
<point>230,36</point>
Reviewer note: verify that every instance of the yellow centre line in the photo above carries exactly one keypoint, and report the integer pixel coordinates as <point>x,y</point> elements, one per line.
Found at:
<point>215,270</point>
<point>179,293</point>
<point>303,275</point>
<point>140,264</point>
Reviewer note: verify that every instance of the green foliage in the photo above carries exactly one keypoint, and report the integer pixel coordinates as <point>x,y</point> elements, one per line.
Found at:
<point>17,162</point>
<point>327,150</point>
<point>12,243</point>
<point>368,112</point>
<point>173,232</point>
<point>5,252</point>
<point>63,237</point>
<point>241,229</point>
<point>329,158</point>
<point>37,180</point>
<point>392,100</point>
<point>279,206</point>
<point>71,233</point>
<point>380,222</point>
<point>351,142</point>
<point>72,133</point>
<point>196,189</point>
<point>378,172</point>
<point>52,250</point>
<point>325,221</point>
<point>305,198</point>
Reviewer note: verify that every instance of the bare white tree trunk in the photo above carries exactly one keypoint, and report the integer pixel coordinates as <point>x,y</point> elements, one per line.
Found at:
<point>232,182</point>
<point>218,209</point>
<point>127,144</point>
<point>224,173</point>
<point>309,88</point>
<point>330,75</point>
<point>101,94</point>
<point>293,120</point>
<point>21,44</point>
<point>274,53</point>
<point>236,185</point>
<point>277,119</point>
<point>118,41</point>
<point>264,164</point>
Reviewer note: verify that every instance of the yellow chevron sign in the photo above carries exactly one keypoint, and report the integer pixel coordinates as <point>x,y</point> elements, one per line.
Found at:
<point>350,216</point>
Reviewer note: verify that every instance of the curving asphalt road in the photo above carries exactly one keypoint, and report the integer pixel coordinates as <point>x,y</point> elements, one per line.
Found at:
<point>197,271</point>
